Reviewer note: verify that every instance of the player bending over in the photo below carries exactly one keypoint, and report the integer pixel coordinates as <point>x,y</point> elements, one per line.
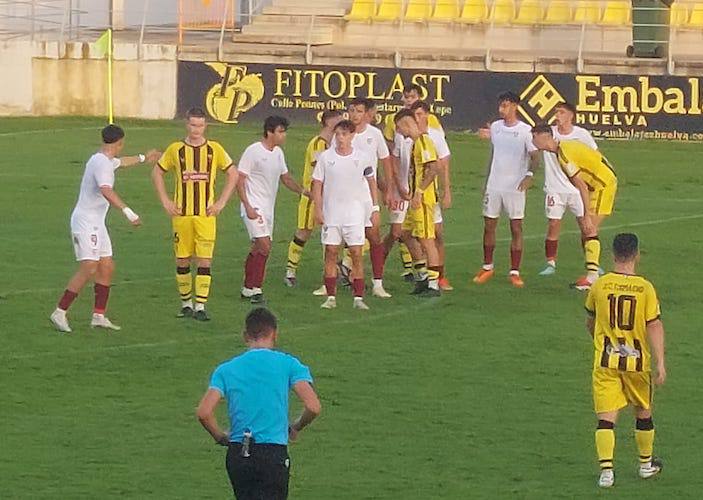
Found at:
<point>345,196</point>
<point>624,321</point>
<point>91,241</point>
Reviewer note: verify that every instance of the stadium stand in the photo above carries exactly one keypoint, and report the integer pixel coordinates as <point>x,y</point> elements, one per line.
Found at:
<point>418,10</point>
<point>446,11</point>
<point>530,12</point>
<point>361,10</point>
<point>696,19</point>
<point>389,11</point>
<point>474,12</point>
<point>617,13</point>
<point>559,12</point>
<point>587,12</point>
<point>503,11</point>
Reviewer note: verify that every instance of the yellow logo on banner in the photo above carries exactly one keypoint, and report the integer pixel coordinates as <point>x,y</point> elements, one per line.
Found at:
<point>237,93</point>
<point>538,101</point>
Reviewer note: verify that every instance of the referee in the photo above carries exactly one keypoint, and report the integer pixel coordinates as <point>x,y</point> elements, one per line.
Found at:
<point>256,385</point>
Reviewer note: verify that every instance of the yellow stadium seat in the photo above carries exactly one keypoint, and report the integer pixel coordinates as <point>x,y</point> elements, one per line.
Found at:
<point>474,12</point>
<point>530,12</point>
<point>617,13</point>
<point>389,10</point>
<point>559,12</point>
<point>446,11</point>
<point>679,14</point>
<point>587,11</point>
<point>418,10</point>
<point>696,19</point>
<point>361,10</point>
<point>503,11</point>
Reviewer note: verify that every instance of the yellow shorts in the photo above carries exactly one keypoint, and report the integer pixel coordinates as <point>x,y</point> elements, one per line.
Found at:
<point>613,389</point>
<point>194,235</point>
<point>306,211</point>
<point>601,202</point>
<point>422,221</point>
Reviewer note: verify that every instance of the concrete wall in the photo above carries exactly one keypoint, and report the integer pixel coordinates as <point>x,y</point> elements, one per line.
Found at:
<point>49,79</point>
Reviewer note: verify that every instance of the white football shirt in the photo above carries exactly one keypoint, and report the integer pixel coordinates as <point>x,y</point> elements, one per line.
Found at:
<point>511,155</point>
<point>371,142</point>
<point>555,180</point>
<point>346,199</point>
<point>91,208</point>
<point>263,169</point>
<point>403,148</point>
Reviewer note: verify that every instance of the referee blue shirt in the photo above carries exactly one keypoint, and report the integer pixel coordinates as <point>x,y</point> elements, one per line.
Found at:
<point>256,385</point>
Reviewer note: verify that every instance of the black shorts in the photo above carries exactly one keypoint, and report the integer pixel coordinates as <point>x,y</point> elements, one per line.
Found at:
<point>261,476</point>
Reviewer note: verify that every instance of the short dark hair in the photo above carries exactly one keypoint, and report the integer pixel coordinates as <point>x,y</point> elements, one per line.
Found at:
<point>413,87</point>
<point>403,113</point>
<point>567,105</point>
<point>542,128</point>
<point>360,101</point>
<point>625,246</point>
<point>509,97</point>
<point>420,104</point>
<point>195,113</point>
<point>260,323</point>
<point>271,123</point>
<point>328,114</point>
<point>346,125</point>
<point>370,103</point>
<point>111,134</point>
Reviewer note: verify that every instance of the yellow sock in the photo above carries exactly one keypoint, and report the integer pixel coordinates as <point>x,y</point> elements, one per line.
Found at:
<point>185,283</point>
<point>645,444</point>
<point>295,252</point>
<point>605,447</point>
<point>592,251</point>
<point>420,267</point>
<point>202,285</point>
<point>406,258</point>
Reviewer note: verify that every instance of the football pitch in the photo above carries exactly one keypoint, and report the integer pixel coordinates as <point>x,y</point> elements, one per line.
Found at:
<point>483,393</point>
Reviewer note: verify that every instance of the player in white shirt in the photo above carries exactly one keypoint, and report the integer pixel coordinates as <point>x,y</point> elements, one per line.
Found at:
<point>369,140</point>
<point>560,193</point>
<point>260,168</point>
<point>91,241</point>
<point>345,198</point>
<point>513,160</point>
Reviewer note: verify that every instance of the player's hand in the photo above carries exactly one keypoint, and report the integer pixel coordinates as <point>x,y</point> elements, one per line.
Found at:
<point>171,208</point>
<point>319,219</point>
<point>215,209</point>
<point>447,200</point>
<point>484,132</point>
<point>405,194</point>
<point>525,183</point>
<point>587,226</point>
<point>660,377</point>
<point>223,439</point>
<point>389,199</point>
<point>137,222</point>
<point>416,201</point>
<point>292,433</point>
<point>306,193</point>
<point>152,155</point>
<point>252,213</point>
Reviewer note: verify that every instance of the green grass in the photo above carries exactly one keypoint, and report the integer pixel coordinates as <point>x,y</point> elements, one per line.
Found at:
<point>484,393</point>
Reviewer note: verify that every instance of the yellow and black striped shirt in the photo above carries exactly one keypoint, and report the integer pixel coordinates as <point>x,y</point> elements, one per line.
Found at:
<point>316,146</point>
<point>589,164</point>
<point>424,153</point>
<point>195,170</point>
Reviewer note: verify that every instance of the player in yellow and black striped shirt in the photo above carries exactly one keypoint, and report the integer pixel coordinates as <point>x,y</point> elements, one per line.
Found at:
<point>624,321</point>
<point>591,173</point>
<point>306,209</point>
<point>194,162</point>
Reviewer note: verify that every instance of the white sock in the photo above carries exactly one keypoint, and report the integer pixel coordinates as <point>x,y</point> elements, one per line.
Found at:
<point>377,283</point>
<point>514,272</point>
<point>488,267</point>
<point>256,291</point>
<point>187,303</point>
<point>358,299</point>
<point>199,306</point>
<point>552,263</point>
<point>290,273</point>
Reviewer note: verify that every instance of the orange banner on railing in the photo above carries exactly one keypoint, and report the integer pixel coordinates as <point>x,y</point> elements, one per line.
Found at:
<point>206,14</point>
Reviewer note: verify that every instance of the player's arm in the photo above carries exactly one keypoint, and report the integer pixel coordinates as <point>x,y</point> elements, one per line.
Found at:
<point>157,178</point>
<point>590,307</point>
<point>373,190</point>
<point>227,192</point>
<point>526,182</point>
<point>386,184</point>
<point>114,199</point>
<point>242,192</point>
<point>316,195</point>
<point>311,410</point>
<point>150,157</point>
<point>289,182</point>
<point>488,169</point>
<point>585,196</point>
<point>655,334</point>
<point>207,418</point>
<point>445,183</point>
<point>431,170</point>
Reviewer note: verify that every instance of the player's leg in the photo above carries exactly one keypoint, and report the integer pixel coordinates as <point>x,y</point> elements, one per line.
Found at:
<point>103,280</point>
<point>492,205</point>
<point>302,235</point>
<point>260,230</point>
<point>357,276</point>
<point>516,252</point>
<point>205,233</point>
<point>638,390</point>
<point>86,271</point>
<point>608,399</point>
<point>554,208</point>
<point>378,260</point>
<point>331,241</point>
<point>605,447</point>
<point>424,231</point>
<point>184,248</point>
<point>444,284</point>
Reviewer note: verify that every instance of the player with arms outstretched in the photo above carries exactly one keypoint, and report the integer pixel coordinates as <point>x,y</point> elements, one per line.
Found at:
<point>91,241</point>
<point>624,321</point>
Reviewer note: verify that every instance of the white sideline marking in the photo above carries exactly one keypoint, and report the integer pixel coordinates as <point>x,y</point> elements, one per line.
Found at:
<point>147,345</point>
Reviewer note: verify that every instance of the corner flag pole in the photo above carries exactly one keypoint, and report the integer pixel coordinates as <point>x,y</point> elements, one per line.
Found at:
<point>110,113</point>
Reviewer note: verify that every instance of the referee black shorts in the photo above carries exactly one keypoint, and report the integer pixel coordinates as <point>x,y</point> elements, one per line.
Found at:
<point>261,476</point>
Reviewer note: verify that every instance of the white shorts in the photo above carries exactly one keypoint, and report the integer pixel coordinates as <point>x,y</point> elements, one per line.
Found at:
<point>91,243</point>
<point>260,227</point>
<point>555,204</point>
<point>350,235</point>
<point>398,212</point>
<point>438,214</point>
<point>512,203</point>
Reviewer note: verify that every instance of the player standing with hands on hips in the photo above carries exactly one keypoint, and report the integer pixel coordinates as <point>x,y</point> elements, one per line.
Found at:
<point>91,240</point>
<point>256,385</point>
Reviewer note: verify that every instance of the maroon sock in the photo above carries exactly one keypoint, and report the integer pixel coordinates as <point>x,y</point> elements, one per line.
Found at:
<point>358,287</point>
<point>249,271</point>
<point>515,258</point>
<point>102,293</point>
<point>550,249</point>
<point>331,286</point>
<point>378,260</point>
<point>260,269</point>
<point>488,254</point>
<point>67,299</point>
